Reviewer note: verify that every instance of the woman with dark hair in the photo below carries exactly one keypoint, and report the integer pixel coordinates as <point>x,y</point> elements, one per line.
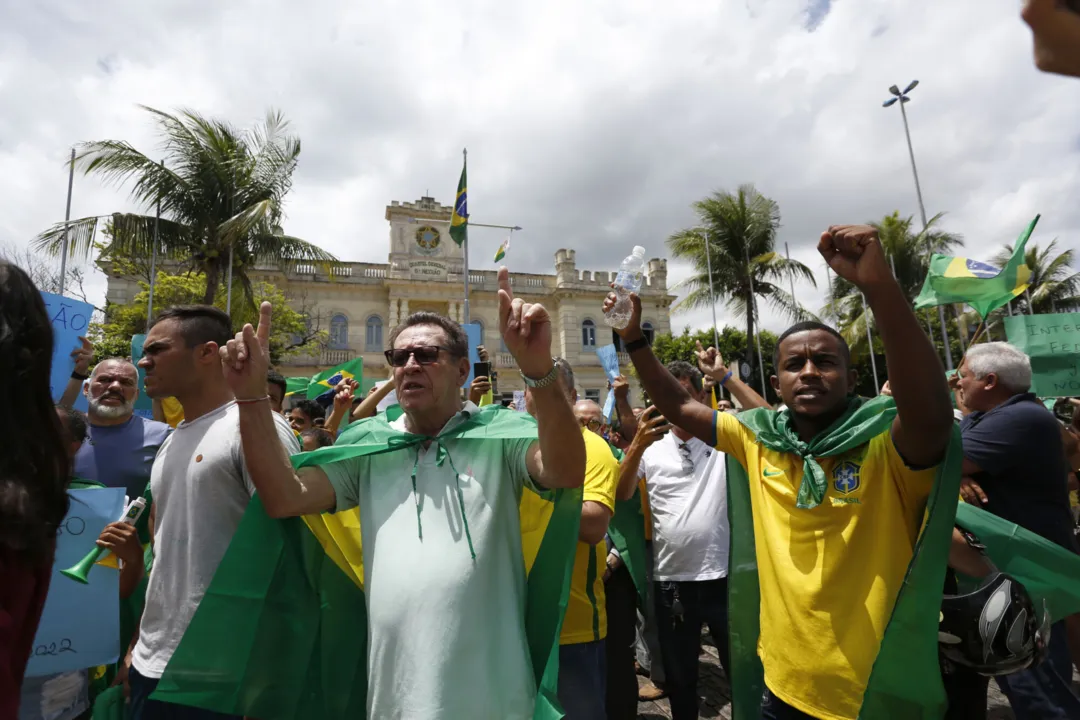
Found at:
<point>33,477</point>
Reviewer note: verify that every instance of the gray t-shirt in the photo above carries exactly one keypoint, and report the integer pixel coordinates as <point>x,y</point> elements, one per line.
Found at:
<point>201,489</point>
<point>442,625</point>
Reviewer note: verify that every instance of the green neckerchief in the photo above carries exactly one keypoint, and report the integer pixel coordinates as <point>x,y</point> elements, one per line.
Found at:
<point>266,639</point>
<point>905,682</point>
<point>862,420</point>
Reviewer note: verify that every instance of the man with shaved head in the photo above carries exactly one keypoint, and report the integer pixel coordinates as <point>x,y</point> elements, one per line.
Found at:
<point>120,445</point>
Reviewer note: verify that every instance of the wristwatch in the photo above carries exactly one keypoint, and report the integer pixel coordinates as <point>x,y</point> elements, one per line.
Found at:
<point>543,382</point>
<point>641,342</point>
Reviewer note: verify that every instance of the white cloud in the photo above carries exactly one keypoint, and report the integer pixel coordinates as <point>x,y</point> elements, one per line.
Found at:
<point>593,125</point>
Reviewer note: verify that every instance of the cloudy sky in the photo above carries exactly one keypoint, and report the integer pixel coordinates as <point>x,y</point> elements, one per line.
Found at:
<point>591,124</point>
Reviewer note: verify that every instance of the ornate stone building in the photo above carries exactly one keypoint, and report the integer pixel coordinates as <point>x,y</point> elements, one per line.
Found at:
<point>362,302</point>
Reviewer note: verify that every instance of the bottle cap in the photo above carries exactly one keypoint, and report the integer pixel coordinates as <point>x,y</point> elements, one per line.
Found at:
<point>638,250</point>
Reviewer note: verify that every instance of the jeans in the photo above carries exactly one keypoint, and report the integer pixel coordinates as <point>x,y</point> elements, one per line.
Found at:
<point>622,690</point>
<point>1044,692</point>
<point>681,609</point>
<point>142,707</point>
<point>648,642</point>
<point>582,677</point>
<point>773,708</point>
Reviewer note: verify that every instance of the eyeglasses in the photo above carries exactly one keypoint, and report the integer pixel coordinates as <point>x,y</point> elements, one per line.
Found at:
<point>592,425</point>
<point>687,460</point>
<point>424,354</point>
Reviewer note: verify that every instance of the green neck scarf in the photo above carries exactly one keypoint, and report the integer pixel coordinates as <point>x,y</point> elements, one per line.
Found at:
<point>863,420</point>
<point>905,682</point>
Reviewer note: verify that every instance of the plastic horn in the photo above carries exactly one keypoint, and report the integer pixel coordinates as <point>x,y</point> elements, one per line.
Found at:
<point>80,571</point>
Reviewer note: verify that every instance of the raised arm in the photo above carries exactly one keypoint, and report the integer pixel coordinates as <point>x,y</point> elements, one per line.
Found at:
<point>665,392</point>
<point>650,429</point>
<point>924,421</point>
<point>343,395</point>
<point>83,355</point>
<point>712,365</point>
<point>245,362</point>
<point>369,405</point>
<point>558,459</point>
<point>627,422</point>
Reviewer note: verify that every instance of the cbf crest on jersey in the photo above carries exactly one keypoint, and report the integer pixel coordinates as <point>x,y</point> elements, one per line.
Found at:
<point>846,477</point>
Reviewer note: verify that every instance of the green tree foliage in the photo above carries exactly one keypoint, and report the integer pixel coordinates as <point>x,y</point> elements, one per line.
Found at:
<point>219,190</point>
<point>732,348</point>
<point>741,229</point>
<point>290,332</point>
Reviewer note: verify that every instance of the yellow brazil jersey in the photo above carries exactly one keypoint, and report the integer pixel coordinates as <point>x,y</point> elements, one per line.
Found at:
<point>586,618</point>
<point>828,576</point>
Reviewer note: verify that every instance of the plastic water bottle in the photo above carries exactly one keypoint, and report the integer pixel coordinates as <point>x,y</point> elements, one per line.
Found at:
<point>631,273</point>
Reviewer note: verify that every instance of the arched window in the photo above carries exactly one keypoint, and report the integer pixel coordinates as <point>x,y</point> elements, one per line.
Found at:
<point>588,334</point>
<point>373,335</point>
<point>647,331</point>
<point>339,332</point>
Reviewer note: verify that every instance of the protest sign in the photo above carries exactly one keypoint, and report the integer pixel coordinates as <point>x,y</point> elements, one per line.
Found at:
<point>1053,343</point>
<point>609,360</point>
<point>70,319</point>
<point>80,625</point>
<point>476,337</point>
<point>143,404</point>
<point>519,401</point>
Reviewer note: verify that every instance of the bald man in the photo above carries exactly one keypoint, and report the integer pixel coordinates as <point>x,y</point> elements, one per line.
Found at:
<point>120,446</point>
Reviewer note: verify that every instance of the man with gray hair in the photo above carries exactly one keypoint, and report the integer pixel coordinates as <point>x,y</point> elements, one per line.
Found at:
<point>1015,467</point>
<point>120,447</point>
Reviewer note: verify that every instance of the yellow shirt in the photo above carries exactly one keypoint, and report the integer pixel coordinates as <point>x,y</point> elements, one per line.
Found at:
<point>829,576</point>
<point>586,618</point>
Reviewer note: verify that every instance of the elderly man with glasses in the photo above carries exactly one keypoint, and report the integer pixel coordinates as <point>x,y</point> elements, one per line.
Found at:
<point>687,490</point>
<point>444,572</point>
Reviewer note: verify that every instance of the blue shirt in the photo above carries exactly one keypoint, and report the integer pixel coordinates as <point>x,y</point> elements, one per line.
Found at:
<point>1024,473</point>
<point>121,455</point>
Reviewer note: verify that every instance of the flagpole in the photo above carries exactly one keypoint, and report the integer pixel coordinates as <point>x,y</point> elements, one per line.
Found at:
<point>67,221</point>
<point>870,344</point>
<point>754,309</point>
<point>153,262</point>
<point>791,278</point>
<point>465,251</point>
<point>712,296</point>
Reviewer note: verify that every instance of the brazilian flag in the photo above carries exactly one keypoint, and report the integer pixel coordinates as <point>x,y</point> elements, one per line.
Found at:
<point>295,385</point>
<point>459,221</point>
<point>327,380</point>
<point>281,633</point>
<point>982,286</point>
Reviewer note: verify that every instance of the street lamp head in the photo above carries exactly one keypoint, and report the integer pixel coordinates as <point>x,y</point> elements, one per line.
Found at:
<point>895,91</point>
<point>911,86</point>
<point>890,102</point>
<point>904,99</point>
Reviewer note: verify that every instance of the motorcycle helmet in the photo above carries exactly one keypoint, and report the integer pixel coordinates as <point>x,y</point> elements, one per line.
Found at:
<point>997,628</point>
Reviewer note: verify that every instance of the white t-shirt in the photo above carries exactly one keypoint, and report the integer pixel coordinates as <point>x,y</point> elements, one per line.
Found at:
<point>690,530</point>
<point>442,625</point>
<point>201,489</point>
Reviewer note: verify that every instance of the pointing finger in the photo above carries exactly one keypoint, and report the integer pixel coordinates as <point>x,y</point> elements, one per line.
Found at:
<point>263,333</point>
<point>505,296</point>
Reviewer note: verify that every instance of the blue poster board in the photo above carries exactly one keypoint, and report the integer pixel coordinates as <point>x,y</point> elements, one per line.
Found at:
<point>143,404</point>
<point>475,333</point>
<point>609,360</point>
<point>70,319</point>
<point>80,625</point>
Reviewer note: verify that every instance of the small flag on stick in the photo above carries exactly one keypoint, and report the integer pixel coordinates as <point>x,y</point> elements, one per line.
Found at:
<point>501,252</point>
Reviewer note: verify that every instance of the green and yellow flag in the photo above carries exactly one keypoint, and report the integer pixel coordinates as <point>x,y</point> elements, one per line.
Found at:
<point>459,221</point>
<point>281,633</point>
<point>982,286</point>
<point>327,380</point>
<point>295,385</point>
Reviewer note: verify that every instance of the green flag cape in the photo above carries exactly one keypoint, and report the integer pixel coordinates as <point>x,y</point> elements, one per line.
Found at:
<point>982,286</point>
<point>281,633</point>
<point>295,385</point>
<point>627,532</point>
<point>905,682</point>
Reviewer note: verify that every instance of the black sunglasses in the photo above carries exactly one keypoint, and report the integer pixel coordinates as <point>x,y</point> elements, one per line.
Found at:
<point>592,425</point>
<point>424,354</point>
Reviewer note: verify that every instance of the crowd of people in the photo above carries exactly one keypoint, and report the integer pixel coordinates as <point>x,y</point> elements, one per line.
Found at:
<point>818,541</point>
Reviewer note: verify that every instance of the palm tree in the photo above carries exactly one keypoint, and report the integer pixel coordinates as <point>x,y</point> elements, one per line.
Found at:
<point>909,252</point>
<point>741,231</point>
<point>221,190</point>
<point>1054,285</point>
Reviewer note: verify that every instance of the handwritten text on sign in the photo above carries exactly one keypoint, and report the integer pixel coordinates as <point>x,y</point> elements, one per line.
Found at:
<point>70,318</point>
<point>1053,343</point>
<point>80,625</point>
